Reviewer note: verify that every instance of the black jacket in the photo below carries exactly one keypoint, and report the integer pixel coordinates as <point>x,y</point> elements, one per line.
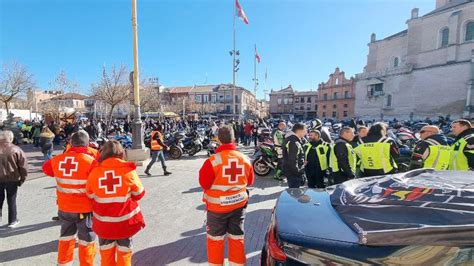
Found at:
<point>293,157</point>
<point>421,147</point>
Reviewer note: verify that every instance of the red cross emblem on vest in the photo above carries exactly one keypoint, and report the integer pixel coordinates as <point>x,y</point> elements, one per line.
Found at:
<point>233,170</point>
<point>69,166</point>
<point>109,182</point>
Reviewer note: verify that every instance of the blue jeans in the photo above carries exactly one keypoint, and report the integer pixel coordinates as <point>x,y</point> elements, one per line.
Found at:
<point>157,155</point>
<point>48,156</point>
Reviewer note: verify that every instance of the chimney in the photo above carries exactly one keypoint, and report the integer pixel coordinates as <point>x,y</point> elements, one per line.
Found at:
<point>414,13</point>
<point>440,3</point>
<point>373,38</point>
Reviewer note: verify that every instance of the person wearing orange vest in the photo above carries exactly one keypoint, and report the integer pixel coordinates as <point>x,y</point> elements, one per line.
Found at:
<point>115,190</point>
<point>90,150</point>
<point>224,178</point>
<point>71,170</point>
<point>156,146</point>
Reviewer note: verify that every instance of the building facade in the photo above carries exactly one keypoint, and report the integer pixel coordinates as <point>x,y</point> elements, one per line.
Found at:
<point>424,71</point>
<point>335,98</point>
<point>211,99</point>
<point>281,103</point>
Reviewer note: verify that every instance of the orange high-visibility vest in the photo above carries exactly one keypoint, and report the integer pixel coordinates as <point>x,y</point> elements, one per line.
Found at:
<point>71,170</point>
<point>155,146</point>
<point>229,189</point>
<point>115,189</point>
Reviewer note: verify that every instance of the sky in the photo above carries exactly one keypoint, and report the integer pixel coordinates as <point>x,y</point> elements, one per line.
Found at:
<point>187,42</point>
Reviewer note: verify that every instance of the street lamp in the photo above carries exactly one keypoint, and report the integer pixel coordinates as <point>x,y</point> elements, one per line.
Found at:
<point>138,153</point>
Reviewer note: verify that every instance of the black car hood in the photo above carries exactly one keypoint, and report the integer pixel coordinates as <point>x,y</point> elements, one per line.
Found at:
<point>421,207</point>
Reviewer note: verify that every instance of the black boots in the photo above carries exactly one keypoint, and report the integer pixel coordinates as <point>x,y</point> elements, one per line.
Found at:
<point>147,171</point>
<point>166,172</point>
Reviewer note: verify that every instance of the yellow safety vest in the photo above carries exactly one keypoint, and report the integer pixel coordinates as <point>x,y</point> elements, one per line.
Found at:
<point>321,152</point>
<point>375,155</point>
<point>458,160</point>
<point>351,155</point>
<point>439,155</point>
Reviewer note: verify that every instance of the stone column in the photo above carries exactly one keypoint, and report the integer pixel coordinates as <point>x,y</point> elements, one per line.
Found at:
<point>469,109</point>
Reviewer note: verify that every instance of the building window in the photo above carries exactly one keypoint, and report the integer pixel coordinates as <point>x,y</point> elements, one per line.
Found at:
<point>337,81</point>
<point>345,105</point>
<point>375,90</point>
<point>389,101</point>
<point>345,113</point>
<point>309,100</point>
<point>335,96</point>
<point>396,62</point>
<point>285,101</point>
<point>213,98</point>
<point>206,98</point>
<point>444,37</point>
<point>325,96</point>
<point>334,106</point>
<point>279,101</point>
<point>324,114</point>
<point>470,31</point>
<point>334,114</point>
<point>346,94</point>
<point>290,101</point>
<point>297,100</point>
<point>302,100</point>
<point>197,98</point>
<point>228,108</point>
<point>308,107</point>
<point>324,106</point>
<point>316,107</point>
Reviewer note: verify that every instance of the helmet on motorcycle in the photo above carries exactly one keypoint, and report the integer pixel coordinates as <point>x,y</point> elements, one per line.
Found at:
<point>316,124</point>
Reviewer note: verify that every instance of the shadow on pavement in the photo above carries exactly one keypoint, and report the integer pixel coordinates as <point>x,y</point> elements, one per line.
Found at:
<point>192,190</point>
<point>7,232</point>
<point>193,246</point>
<point>28,252</point>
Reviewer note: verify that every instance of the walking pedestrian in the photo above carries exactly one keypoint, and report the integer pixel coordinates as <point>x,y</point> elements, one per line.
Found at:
<point>157,147</point>
<point>46,143</point>
<point>13,173</point>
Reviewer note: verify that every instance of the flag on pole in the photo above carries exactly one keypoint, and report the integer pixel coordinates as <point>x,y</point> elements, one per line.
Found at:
<point>240,12</point>
<point>266,73</point>
<point>257,57</point>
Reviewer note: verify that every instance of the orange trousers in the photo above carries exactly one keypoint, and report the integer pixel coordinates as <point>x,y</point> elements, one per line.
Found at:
<point>115,252</point>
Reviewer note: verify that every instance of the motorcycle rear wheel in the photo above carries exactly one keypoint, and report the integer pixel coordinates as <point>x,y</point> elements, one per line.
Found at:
<point>260,167</point>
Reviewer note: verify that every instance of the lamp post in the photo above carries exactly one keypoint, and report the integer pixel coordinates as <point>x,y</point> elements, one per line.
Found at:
<point>137,124</point>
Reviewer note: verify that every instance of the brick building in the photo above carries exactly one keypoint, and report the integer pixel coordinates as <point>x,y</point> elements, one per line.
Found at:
<point>335,98</point>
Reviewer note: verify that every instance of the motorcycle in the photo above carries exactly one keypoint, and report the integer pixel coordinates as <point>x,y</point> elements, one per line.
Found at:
<point>174,143</point>
<point>192,144</point>
<point>265,159</point>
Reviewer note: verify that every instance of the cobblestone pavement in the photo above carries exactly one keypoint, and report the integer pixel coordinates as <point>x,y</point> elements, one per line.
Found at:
<point>173,210</point>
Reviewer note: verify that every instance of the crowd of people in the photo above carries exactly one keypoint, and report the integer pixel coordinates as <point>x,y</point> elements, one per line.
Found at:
<point>98,191</point>
<point>365,151</point>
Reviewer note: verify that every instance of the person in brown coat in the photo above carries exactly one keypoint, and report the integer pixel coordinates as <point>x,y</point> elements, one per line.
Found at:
<point>13,172</point>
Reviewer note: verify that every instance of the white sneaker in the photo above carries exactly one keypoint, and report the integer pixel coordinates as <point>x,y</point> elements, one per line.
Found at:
<point>14,224</point>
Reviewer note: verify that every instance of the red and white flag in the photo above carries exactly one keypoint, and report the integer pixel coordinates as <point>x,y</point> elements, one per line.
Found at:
<point>257,57</point>
<point>240,12</point>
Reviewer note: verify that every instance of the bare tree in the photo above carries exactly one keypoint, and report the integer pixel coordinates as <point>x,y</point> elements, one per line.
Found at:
<point>113,88</point>
<point>15,80</point>
<point>63,84</point>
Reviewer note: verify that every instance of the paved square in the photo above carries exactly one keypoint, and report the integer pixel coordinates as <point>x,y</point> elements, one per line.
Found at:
<point>172,207</point>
